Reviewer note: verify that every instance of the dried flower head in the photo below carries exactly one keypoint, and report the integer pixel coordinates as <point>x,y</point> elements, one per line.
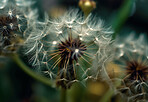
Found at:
<point>131,73</point>
<point>66,47</point>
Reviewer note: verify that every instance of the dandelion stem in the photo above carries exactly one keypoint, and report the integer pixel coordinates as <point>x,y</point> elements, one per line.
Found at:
<point>63,97</point>
<point>122,16</point>
<point>27,70</point>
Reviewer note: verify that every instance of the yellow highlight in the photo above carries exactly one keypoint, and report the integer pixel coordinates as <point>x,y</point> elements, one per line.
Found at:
<point>68,49</point>
<point>87,6</point>
<point>98,88</point>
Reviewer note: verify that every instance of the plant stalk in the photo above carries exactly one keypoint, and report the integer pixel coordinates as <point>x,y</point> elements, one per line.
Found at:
<point>63,97</point>
<point>28,70</point>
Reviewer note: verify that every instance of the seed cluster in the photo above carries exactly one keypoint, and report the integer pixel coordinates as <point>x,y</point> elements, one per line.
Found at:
<point>131,68</point>
<point>7,26</point>
<point>137,71</point>
<point>10,27</point>
<point>70,50</point>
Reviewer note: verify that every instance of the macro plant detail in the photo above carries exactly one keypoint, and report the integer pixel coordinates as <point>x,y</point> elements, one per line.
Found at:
<point>69,51</point>
<point>13,22</point>
<point>137,71</point>
<point>10,28</point>
<point>67,46</point>
<point>73,51</point>
<point>132,67</point>
<point>7,29</point>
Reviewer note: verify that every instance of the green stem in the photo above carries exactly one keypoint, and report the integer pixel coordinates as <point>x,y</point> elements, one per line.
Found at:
<point>122,16</point>
<point>27,70</point>
<point>63,97</point>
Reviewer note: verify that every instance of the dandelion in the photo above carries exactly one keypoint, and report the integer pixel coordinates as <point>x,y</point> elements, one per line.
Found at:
<point>66,47</point>
<point>13,22</point>
<point>131,68</point>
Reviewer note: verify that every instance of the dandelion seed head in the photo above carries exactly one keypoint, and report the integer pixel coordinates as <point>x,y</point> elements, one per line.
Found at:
<point>131,74</point>
<point>137,71</point>
<point>70,45</point>
<point>12,26</point>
